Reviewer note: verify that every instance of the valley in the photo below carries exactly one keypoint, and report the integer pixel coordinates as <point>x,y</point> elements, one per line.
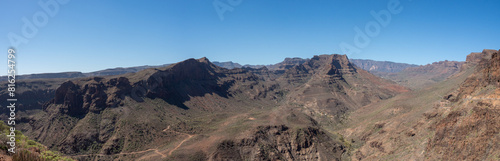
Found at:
<point>327,107</point>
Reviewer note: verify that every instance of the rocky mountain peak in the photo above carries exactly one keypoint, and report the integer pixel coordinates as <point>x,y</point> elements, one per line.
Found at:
<point>203,60</point>
<point>487,73</point>
<point>340,64</point>
<point>475,57</point>
<point>65,89</point>
<point>295,60</point>
<point>197,69</point>
<point>491,70</point>
<point>332,64</point>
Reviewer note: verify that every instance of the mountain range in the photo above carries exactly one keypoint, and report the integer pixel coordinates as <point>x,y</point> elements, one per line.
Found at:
<point>327,107</point>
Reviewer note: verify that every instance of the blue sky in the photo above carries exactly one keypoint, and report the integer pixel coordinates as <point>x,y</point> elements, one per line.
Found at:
<point>92,35</point>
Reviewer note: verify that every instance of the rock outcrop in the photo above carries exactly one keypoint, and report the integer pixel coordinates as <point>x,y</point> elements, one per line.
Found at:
<point>93,95</point>
<point>487,73</point>
<point>471,130</point>
<point>476,57</point>
<point>281,143</point>
<point>33,93</point>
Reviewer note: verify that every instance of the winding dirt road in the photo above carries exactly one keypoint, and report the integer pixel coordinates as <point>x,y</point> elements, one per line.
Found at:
<point>144,151</point>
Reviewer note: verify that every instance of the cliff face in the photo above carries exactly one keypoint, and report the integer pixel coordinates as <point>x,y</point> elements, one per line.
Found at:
<point>175,85</point>
<point>33,93</point>
<point>477,57</point>
<point>93,95</point>
<point>487,74</point>
<point>470,131</point>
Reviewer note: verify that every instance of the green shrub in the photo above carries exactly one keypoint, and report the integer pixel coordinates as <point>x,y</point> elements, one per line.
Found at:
<point>31,142</point>
<point>25,155</point>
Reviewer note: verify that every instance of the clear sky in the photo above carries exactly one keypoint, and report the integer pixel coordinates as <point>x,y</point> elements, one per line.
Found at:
<point>90,35</point>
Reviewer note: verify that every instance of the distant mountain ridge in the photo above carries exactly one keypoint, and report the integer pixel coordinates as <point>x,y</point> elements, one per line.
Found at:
<point>368,65</point>
<point>381,66</point>
<point>365,64</point>
<point>105,72</point>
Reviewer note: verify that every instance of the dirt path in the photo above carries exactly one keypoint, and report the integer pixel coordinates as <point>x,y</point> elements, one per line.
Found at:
<point>177,147</point>
<point>172,150</point>
<point>143,151</point>
<point>158,152</point>
<point>165,130</point>
<point>182,142</point>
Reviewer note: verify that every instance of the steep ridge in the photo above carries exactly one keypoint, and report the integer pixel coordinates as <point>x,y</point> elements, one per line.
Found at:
<point>470,128</point>
<point>476,57</point>
<point>456,119</point>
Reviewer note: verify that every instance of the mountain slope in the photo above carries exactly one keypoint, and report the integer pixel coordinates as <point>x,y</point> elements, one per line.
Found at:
<point>193,107</point>
<point>470,129</point>
<point>331,84</point>
<point>451,120</point>
<point>78,102</point>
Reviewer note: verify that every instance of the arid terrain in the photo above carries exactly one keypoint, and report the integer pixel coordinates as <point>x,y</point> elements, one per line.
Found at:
<point>327,107</point>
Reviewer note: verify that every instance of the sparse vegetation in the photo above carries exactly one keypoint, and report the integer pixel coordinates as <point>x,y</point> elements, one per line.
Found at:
<point>203,114</point>
<point>28,150</point>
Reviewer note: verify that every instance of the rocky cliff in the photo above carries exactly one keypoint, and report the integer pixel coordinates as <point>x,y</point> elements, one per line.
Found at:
<point>279,142</point>
<point>470,129</point>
